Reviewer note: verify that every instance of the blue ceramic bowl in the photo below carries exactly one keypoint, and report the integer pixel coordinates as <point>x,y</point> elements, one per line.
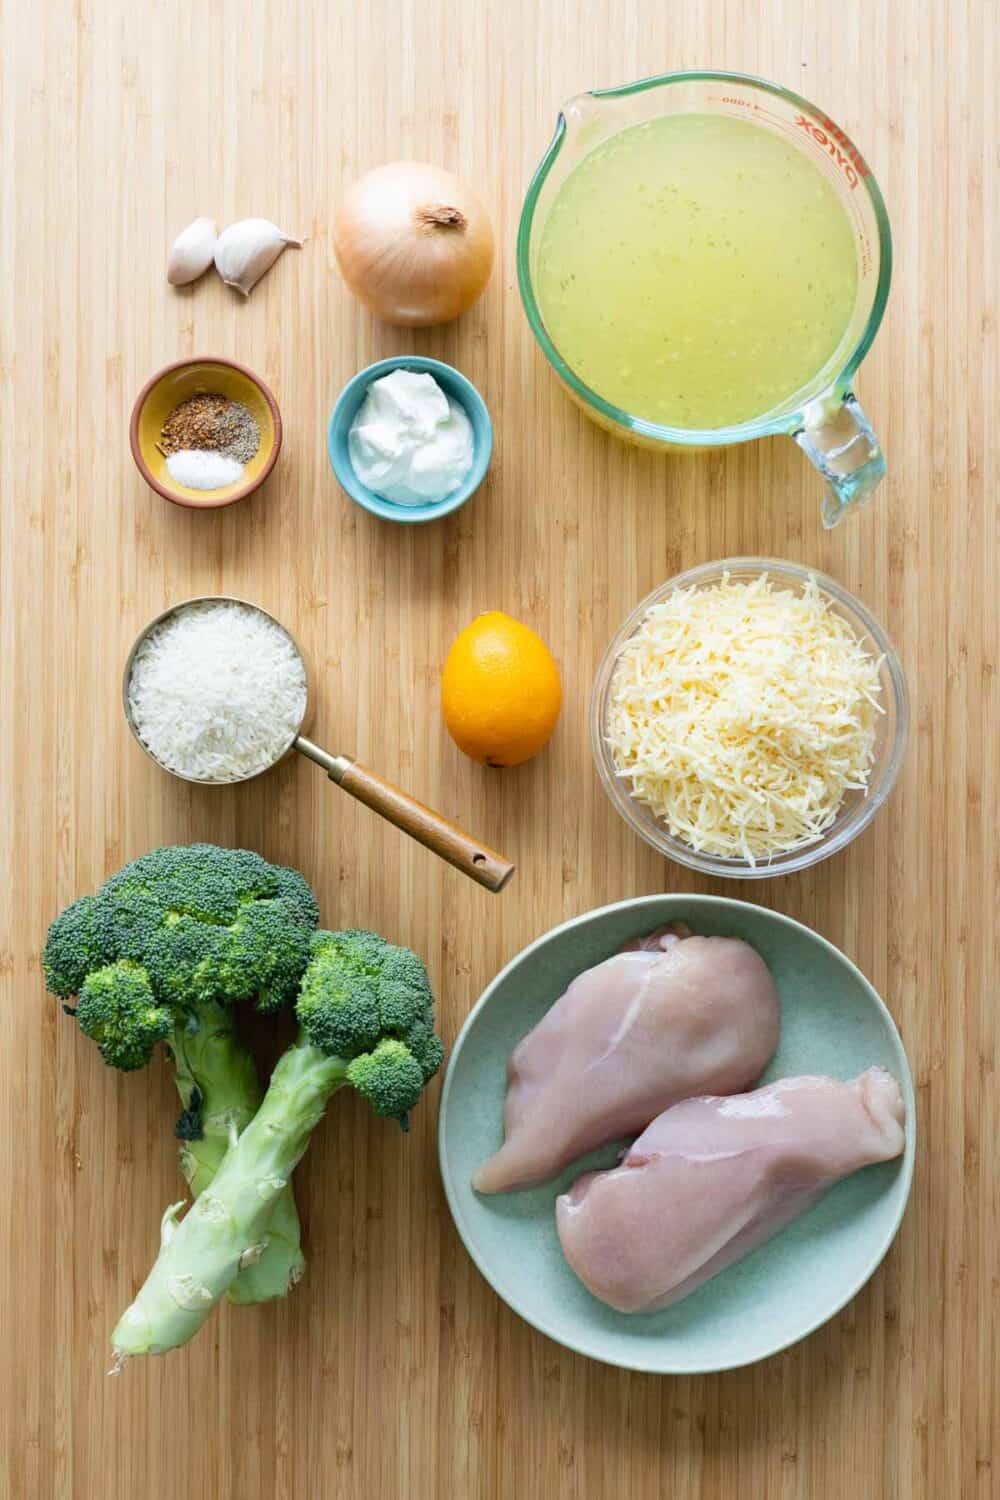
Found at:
<point>454,385</point>
<point>832,1021</point>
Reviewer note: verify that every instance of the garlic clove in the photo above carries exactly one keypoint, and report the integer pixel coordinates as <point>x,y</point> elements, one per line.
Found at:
<point>192,252</point>
<point>248,248</point>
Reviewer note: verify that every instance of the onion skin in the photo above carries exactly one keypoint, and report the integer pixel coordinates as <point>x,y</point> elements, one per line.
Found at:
<point>413,243</point>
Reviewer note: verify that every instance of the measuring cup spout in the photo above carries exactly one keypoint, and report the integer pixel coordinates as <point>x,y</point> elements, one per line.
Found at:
<point>580,108</point>
<point>839,439</point>
<point>584,121</point>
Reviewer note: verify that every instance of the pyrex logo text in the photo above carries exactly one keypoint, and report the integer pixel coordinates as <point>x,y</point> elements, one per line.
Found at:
<point>833,140</point>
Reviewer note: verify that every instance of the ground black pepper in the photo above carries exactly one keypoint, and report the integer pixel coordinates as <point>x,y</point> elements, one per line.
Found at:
<point>213,422</point>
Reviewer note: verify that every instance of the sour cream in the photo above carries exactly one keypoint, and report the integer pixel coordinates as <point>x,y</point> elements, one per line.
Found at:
<point>410,443</point>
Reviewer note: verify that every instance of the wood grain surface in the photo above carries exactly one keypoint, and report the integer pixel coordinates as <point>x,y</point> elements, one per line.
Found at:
<point>393,1370</point>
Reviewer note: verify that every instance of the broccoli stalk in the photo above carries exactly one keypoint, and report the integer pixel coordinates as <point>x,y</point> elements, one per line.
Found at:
<point>366,1017</point>
<point>220,1092</point>
<point>162,953</point>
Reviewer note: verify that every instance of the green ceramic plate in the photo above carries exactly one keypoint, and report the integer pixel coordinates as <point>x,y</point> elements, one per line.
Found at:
<point>832,1021</point>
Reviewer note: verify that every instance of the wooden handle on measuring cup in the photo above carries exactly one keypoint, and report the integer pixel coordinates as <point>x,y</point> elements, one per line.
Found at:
<point>478,861</point>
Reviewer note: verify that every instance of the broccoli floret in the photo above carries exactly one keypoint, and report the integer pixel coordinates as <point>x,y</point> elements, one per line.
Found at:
<point>426,1046</point>
<point>163,951</point>
<point>390,1078</point>
<point>369,1003</point>
<point>118,1010</point>
<point>72,948</point>
<point>268,946</point>
<point>359,989</point>
<point>293,888</point>
<point>366,1016</point>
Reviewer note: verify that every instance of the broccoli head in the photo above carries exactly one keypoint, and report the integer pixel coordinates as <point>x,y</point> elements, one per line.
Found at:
<point>209,924</point>
<point>206,924</point>
<point>366,1001</point>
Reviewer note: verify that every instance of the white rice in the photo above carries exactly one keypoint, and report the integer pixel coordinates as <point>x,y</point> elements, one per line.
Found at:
<point>217,691</point>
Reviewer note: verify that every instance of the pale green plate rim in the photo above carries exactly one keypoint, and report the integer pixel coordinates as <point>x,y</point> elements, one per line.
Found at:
<point>690,903</point>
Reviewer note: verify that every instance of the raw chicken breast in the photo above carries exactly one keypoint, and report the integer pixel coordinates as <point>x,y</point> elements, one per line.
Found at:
<point>713,1178</point>
<point>674,1015</point>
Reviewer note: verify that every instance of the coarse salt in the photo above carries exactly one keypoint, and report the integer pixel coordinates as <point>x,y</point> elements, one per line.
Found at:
<point>203,469</point>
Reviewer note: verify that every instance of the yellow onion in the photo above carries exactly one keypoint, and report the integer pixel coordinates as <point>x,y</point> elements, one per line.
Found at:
<point>413,243</point>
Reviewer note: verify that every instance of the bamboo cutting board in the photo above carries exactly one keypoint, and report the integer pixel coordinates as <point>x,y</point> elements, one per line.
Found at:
<point>394,1370</point>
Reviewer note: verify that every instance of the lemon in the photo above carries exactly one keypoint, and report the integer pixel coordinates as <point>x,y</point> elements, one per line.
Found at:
<point>500,691</point>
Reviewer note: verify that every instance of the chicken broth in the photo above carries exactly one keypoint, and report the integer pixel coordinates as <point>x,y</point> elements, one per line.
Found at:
<point>697,271</point>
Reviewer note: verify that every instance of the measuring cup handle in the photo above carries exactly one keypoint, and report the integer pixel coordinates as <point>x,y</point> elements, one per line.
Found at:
<point>478,861</point>
<point>840,441</point>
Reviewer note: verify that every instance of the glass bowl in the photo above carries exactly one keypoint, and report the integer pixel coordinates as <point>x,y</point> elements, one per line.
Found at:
<point>857,809</point>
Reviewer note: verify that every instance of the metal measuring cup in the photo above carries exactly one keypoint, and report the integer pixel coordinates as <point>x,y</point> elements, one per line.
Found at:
<point>429,828</point>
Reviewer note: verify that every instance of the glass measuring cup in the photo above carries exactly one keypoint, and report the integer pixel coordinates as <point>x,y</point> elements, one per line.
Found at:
<point>824,417</point>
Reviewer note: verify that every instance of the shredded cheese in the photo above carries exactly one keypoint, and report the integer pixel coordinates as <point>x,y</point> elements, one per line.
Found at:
<point>742,714</point>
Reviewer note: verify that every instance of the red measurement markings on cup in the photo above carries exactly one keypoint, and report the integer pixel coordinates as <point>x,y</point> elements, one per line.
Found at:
<point>824,132</point>
<point>832,142</point>
<point>832,139</point>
